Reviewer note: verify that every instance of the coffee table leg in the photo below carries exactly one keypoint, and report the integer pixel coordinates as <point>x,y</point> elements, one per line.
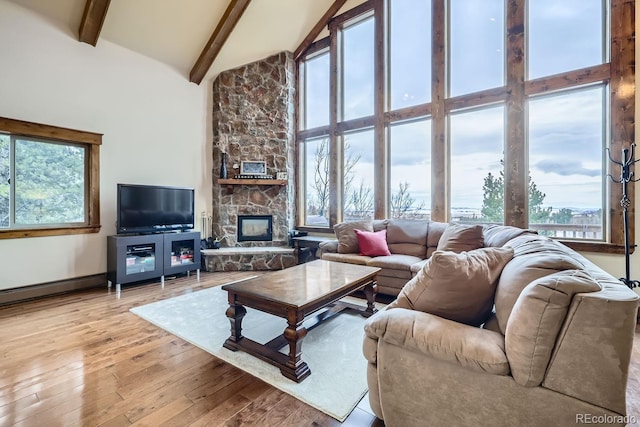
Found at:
<point>370,291</point>
<point>295,368</point>
<point>235,313</point>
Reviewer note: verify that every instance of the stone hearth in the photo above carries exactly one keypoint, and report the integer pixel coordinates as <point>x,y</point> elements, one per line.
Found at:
<point>248,259</point>
<point>253,120</point>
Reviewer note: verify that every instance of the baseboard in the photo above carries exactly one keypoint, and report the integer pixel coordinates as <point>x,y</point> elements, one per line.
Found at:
<point>10,296</point>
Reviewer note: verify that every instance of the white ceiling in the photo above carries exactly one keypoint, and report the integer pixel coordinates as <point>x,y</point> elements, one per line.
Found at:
<point>175,31</point>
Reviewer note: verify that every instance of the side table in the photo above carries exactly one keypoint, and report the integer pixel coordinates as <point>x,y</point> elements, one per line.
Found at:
<point>311,243</point>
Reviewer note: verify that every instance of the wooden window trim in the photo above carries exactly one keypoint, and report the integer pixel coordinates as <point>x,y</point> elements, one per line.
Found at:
<point>622,110</point>
<point>92,142</point>
<point>340,20</point>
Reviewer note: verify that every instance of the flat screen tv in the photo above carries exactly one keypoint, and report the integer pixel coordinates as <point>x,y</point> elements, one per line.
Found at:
<point>154,209</point>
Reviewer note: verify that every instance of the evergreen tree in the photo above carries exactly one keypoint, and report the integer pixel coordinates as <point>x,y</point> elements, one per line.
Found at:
<point>49,183</point>
<point>4,181</point>
<point>564,216</point>
<point>493,200</point>
<point>537,214</point>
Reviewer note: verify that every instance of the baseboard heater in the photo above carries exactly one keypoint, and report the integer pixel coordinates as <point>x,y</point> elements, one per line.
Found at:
<point>14,295</point>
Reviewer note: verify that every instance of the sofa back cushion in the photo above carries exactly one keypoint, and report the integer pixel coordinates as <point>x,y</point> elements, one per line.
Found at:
<point>499,235</point>
<point>434,234</point>
<point>457,287</point>
<point>461,238</point>
<point>347,239</point>
<point>380,224</point>
<point>536,319</point>
<point>407,237</point>
<point>534,257</point>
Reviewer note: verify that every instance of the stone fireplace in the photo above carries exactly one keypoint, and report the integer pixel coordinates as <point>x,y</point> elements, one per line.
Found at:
<point>253,120</point>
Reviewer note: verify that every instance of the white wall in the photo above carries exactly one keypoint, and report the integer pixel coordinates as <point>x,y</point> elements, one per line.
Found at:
<point>155,125</point>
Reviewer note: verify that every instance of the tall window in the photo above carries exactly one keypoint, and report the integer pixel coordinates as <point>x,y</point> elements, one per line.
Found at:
<point>477,166</point>
<point>566,131</point>
<point>358,172</point>
<point>47,186</point>
<point>492,112</point>
<point>476,45</point>
<point>410,169</point>
<point>357,69</point>
<point>409,69</point>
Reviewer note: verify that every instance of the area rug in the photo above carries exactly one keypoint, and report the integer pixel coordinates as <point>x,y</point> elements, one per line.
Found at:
<point>332,350</point>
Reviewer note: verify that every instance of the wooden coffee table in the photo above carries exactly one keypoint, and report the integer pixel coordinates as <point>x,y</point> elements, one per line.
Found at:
<point>295,294</point>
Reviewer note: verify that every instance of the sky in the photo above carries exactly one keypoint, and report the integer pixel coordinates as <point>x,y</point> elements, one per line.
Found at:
<point>566,156</point>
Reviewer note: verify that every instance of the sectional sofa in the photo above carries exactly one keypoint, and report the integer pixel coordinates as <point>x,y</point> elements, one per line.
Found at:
<point>410,243</point>
<point>502,327</point>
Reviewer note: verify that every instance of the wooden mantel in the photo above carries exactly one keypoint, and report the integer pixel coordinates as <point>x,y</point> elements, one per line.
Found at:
<point>231,182</point>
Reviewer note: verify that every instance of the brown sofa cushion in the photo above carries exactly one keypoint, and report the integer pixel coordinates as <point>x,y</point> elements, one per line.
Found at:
<point>461,238</point>
<point>533,258</point>
<point>348,258</point>
<point>498,235</point>
<point>347,240</point>
<point>407,237</point>
<point>536,319</point>
<point>458,287</point>
<point>396,262</point>
<point>435,233</point>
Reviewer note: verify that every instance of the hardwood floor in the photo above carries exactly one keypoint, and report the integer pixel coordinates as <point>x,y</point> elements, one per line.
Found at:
<point>83,359</point>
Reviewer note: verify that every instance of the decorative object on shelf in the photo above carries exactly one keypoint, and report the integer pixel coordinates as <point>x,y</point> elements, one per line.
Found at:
<point>213,243</point>
<point>626,176</point>
<point>282,175</point>
<point>223,166</point>
<point>253,168</point>
<point>252,176</point>
<point>207,221</point>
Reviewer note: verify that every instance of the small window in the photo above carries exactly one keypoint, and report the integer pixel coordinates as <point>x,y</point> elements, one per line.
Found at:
<point>48,186</point>
<point>477,45</point>
<point>316,91</point>
<point>565,35</point>
<point>358,75</point>
<point>409,53</point>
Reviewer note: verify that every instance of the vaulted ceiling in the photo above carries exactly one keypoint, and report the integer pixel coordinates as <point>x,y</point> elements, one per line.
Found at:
<point>223,33</point>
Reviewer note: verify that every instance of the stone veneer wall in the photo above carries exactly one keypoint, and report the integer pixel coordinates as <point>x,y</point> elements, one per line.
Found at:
<point>253,119</point>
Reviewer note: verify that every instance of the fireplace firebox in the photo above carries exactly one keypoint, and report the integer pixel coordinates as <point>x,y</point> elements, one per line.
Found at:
<point>255,228</point>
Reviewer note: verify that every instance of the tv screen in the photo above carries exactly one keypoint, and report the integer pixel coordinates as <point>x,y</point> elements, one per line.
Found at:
<point>153,209</point>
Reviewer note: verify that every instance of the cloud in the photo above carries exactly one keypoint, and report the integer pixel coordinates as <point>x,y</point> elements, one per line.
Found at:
<point>566,168</point>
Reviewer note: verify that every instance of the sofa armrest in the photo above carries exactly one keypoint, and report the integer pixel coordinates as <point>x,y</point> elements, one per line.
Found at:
<point>473,348</point>
<point>328,246</point>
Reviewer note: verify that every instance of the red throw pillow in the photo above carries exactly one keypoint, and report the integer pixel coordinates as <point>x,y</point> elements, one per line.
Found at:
<point>372,243</point>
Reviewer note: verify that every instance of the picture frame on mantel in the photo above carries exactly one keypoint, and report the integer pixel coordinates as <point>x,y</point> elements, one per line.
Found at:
<point>253,168</point>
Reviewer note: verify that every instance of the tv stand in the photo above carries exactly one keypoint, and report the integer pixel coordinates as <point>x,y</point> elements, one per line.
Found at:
<point>136,257</point>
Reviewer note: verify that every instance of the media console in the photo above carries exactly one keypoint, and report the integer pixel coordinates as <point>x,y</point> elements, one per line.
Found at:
<point>136,257</point>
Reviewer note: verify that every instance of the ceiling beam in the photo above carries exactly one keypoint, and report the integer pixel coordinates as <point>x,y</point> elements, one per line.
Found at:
<point>95,11</point>
<point>315,31</point>
<point>228,21</point>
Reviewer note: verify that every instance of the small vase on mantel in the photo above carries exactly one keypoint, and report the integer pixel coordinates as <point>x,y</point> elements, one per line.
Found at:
<point>223,166</point>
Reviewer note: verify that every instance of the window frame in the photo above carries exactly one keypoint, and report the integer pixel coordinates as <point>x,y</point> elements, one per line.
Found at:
<point>91,142</point>
<point>617,75</point>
